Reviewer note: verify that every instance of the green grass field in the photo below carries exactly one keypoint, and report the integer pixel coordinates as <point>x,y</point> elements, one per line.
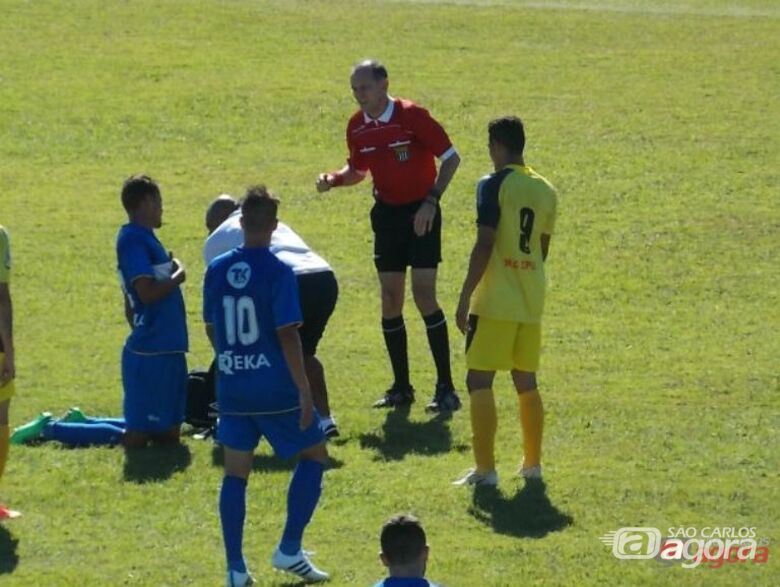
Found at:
<point>656,119</point>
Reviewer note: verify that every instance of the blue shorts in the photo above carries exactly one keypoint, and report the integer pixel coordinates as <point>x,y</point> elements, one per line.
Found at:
<point>155,391</point>
<point>243,432</point>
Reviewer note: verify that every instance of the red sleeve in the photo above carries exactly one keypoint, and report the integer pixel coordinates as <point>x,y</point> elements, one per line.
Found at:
<point>355,160</point>
<point>430,133</point>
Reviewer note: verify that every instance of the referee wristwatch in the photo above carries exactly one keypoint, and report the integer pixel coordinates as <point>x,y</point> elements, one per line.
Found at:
<point>433,197</point>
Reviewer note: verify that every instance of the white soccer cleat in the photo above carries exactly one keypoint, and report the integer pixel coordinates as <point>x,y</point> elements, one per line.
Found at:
<point>236,579</point>
<point>329,427</point>
<point>534,472</point>
<point>472,478</point>
<point>298,564</point>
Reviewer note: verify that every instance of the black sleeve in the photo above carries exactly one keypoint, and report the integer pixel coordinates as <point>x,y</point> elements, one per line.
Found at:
<point>488,208</point>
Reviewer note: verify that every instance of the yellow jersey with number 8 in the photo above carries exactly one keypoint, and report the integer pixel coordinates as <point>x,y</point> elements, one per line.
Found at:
<point>520,205</point>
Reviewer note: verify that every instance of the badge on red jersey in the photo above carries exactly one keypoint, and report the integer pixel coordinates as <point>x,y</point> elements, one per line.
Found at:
<point>401,149</point>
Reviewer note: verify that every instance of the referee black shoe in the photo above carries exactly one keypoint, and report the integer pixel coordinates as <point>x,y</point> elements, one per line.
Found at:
<point>396,397</point>
<point>444,399</point>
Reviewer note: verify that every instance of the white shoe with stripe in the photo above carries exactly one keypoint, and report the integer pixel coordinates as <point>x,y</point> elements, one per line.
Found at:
<point>300,565</point>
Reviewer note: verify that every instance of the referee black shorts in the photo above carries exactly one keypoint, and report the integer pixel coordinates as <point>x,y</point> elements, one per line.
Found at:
<point>318,293</point>
<point>396,246</point>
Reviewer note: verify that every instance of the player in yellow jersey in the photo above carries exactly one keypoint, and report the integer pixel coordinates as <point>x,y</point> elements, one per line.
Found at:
<point>7,368</point>
<point>502,298</point>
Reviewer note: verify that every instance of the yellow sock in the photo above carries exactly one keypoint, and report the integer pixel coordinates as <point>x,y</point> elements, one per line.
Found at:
<point>532,421</point>
<point>3,448</point>
<point>483,429</point>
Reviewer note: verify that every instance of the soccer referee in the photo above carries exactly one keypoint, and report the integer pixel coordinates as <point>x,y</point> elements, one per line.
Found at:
<point>398,142</point>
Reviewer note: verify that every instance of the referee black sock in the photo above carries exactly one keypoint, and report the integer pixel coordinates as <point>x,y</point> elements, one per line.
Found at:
<point>438,339</point>
<point>395,340</point>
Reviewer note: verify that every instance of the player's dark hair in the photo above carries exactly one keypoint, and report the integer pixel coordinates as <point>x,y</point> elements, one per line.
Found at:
<point>136,189</point>
<point>377,69</point>
<point>258,208</point>
<point>403,539</point>
<point>509,132</point>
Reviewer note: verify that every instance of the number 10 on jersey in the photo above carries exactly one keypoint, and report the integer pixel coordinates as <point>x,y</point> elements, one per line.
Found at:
<point>240,320</point>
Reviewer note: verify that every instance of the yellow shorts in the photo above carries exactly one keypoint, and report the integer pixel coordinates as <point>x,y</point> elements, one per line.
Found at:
<point>502,345</point>
<point>6,391</point>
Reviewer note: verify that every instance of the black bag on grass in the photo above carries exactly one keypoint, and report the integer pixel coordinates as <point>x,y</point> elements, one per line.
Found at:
<point>201,409</point>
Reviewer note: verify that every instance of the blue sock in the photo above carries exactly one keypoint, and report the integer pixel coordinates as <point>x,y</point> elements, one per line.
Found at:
<point>118,422</point>
<point>232,510</point>
<point>302,497</point>
<point>83,434</point>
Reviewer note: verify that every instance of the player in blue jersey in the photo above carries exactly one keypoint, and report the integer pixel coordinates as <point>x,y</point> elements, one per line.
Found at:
<point>154,367</point>
<point>404,553</point>
<point>252,314</point>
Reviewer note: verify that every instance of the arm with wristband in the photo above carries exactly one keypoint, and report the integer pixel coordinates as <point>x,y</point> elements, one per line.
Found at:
<point>423,219</point>
<point>343,177</point>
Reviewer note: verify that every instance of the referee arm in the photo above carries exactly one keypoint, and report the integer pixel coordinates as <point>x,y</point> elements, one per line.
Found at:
<point>480,256</point>
<point>423,219</point>
<point>344,176</point>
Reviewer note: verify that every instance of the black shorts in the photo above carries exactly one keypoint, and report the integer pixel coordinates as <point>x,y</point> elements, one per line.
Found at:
<point>318,293</point>
<point>396,246</point>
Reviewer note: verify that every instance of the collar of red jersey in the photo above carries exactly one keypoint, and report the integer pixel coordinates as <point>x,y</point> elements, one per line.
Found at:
<point>385,116</point>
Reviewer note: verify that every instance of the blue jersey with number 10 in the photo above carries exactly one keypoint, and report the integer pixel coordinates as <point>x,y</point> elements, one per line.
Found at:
<point>247,295</point>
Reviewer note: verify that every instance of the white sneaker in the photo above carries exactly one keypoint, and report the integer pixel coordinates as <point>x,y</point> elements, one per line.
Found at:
<point>329,427</point>
<point>473,478</point>
<point>236,579</point>
<point>298,564</point>
<point>534,472</point>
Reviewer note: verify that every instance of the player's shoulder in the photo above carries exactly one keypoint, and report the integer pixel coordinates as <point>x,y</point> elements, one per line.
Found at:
<point>543,184</point>
<point>223,260</point>
<point>132,231</point>
<point>411,111</point>
<point>491,182</point>
<point>130,235</point>
<point>277,268</point>
<point>355,121</point>
<point>405,582</point>
<point>407,105</point>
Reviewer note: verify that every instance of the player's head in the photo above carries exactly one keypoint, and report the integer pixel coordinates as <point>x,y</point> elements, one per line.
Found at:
<point>219,209</point>
<point>369,86</point>
<point>142,200</point>
<point>258,214</point>
<point>404,546</point>
<point>506,140</point>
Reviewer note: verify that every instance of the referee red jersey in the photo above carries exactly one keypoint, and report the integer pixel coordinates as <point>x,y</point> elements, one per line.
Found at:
<point>398,148</point>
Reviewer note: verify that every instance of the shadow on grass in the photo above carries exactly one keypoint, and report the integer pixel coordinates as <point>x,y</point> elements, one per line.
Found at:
<point>155,463</point>
<point>401,437</point>
<point>527,514</point>
<point>8,557</point>
<point>264,462</point>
